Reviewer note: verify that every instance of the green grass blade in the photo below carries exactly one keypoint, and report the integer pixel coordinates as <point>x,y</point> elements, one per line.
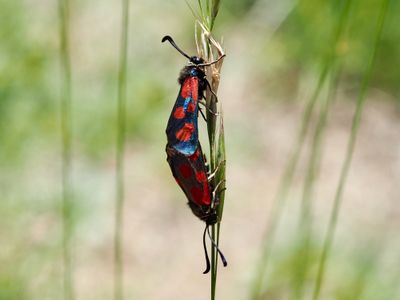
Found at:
<point>221,161</point>
<point>220,177</point>
<point>214,12</point>
<point>194,13</point>
<point>208,47</point>
<point>305,226</point>
<point>283,190</point>
<point>201,11</point>
<point>287,178</point>
<point>211,128</point>
<point>349,154</point>
<point>120,144</point>
<point>67,205</point>
<point>208,12</point>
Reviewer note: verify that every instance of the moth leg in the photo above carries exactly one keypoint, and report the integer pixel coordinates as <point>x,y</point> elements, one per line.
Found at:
<point>210,176</point>
<point>214,192</point>
<point>208,109</point>
<point>211,90</point>
<point>215,201</point>
<point>202,114</point>
<point>206,164</point>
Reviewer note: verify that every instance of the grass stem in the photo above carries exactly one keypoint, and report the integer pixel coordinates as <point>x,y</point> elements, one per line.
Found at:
<point>66,132</point>
<point>283,189</point>
<point>287,178</point>
<point>349,154</point>
<point>120,143</point>
<point>305,226</point>
<point>206,46</point>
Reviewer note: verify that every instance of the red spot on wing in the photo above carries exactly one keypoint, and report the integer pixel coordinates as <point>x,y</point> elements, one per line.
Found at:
<point>185,171</point>
<point>185,132</point>
<point>179,113</point>
<point>190,88</point>
<point>195,155</point>
<point>186,89</point>
<point>195,88</point>
<point>206,199</point>
<point>201,176</point>
<point>197,195</point>
<point>201,196</point>
<point>191,107</point>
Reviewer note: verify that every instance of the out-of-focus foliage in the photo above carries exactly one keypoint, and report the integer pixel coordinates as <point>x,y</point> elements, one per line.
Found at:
<point>26,84</point>
<point>304,38</point>
<point>262,61</point>
<point>29,68</point>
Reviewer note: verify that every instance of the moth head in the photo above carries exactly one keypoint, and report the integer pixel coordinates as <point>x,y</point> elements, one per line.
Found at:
<point>196,60</point>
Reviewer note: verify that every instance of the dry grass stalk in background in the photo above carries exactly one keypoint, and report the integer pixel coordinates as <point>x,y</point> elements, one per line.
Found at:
<point>66,133</point>
<point>120,150</point>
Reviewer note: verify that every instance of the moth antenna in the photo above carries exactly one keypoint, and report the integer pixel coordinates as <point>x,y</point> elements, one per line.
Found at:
<point>205,251</point>
<point>169,39</point>
<point>213,62</point>
<point>221,255</point>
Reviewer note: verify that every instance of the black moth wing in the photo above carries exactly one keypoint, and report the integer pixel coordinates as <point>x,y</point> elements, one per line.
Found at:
<point>190,172</point>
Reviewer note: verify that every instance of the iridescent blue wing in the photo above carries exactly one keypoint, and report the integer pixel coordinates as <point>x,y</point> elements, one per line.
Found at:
<point>182,130</point>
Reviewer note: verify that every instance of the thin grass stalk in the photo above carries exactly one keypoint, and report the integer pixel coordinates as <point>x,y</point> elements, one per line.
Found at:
<point>215,152</point>
<point>210,49</point>
<point>120,143</point>
<point>66,132</point>
<point>283,190</point>
<point>204,48</point>
<point>220,176</point>
<point>287,178</point>
<point>309,183</point>
<point>214,9</point>
<point>312,171</point>
<point>201,10</point>
<point>211,127</point>
<point>349,153</point>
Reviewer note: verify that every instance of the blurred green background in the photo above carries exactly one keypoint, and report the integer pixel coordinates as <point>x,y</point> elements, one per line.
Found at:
<point>275,50</point>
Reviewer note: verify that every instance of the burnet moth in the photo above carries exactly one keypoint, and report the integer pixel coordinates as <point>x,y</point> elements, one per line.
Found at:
<point>182,130</point>
<point>184,154</point>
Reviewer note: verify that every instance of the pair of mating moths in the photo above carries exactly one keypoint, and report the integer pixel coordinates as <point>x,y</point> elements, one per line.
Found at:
<point>184,153</point>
